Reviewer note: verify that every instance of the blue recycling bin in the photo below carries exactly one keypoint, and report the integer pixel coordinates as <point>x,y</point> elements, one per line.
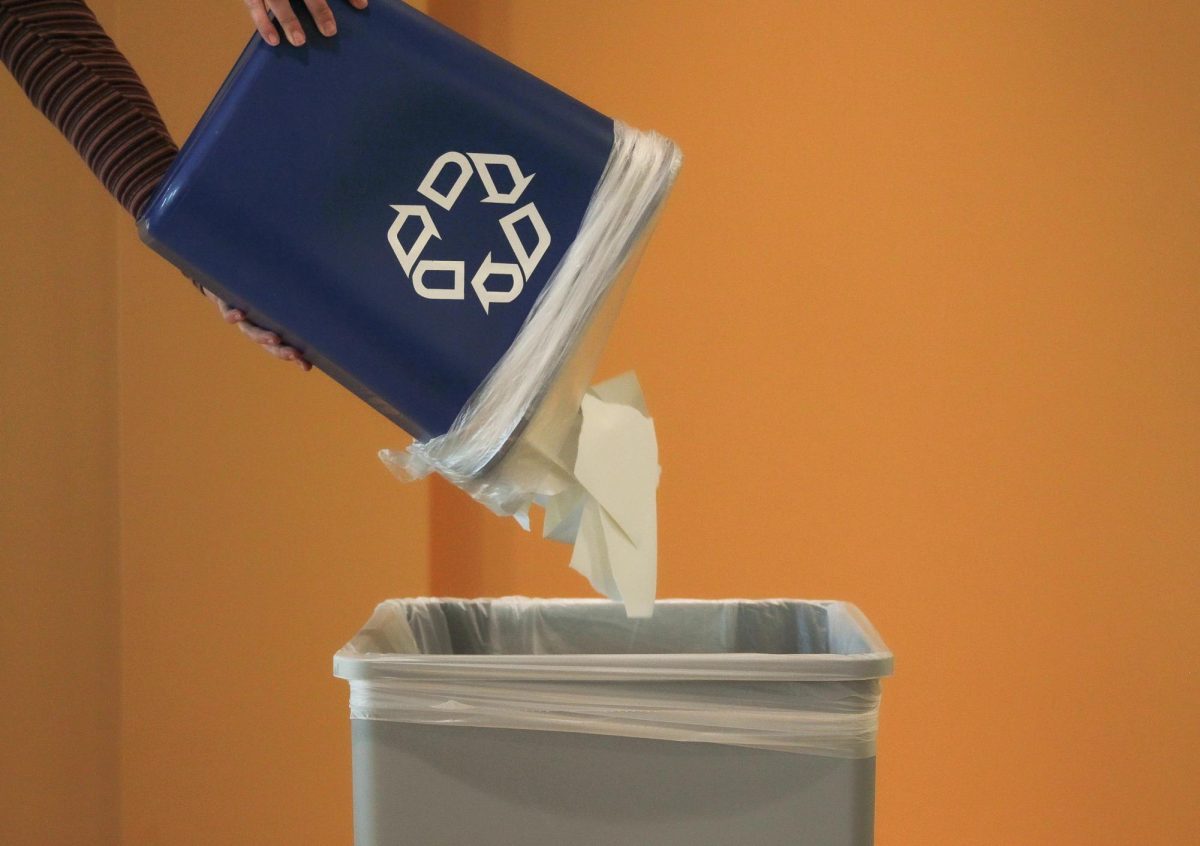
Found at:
<point>391,201</point>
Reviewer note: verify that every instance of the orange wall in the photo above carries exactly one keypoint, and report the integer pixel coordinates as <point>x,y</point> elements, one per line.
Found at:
<point>58,480</point>
<point>258,531</point>
<point>920,329</point>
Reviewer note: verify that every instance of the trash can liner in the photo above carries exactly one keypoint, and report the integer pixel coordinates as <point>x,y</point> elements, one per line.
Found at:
<point>783,675</point>
<point>559,343</point>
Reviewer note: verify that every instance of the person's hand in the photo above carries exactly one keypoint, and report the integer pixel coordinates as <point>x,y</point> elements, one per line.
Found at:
<point>266,339</point>
<point>282,10</point>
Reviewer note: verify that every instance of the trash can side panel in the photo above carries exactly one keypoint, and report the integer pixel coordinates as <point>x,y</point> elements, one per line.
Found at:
<point>439,784</point>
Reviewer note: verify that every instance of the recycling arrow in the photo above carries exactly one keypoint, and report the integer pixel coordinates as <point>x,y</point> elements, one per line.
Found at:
<point>408,258</point>
<point>491,268</point>
<point>528,259</point>
<point>448,199</point>
<point>483,164</point>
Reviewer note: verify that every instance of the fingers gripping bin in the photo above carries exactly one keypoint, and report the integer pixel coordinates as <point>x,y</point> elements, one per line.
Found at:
<point>543,722</point>
<point>432,226</point>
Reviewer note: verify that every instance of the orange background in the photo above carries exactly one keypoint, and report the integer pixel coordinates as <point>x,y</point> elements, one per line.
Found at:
<point>59,612</point>
<point>920,329</point>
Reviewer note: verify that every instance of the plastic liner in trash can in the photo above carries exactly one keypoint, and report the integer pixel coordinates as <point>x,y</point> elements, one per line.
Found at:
<point>551,721</point>
<point>433,227</point>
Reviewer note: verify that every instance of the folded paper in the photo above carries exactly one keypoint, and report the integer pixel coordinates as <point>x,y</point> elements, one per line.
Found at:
<point>596,476</point>
<point>613,500</point>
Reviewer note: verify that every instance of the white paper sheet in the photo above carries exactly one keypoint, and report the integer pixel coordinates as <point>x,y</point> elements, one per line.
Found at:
<point>610,508</point>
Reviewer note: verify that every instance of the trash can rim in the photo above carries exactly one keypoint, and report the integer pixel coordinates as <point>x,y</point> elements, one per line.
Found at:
<point>353,662</point>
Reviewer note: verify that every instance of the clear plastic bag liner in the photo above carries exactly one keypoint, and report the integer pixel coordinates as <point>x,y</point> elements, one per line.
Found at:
<point>535,389</point>
<point>784,675</point>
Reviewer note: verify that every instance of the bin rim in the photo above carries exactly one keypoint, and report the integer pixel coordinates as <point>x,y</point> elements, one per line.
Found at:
<point>354,663</point>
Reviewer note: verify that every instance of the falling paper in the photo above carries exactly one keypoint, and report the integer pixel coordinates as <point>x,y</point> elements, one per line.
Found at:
<point>594,469</point>
<point>610,508</point>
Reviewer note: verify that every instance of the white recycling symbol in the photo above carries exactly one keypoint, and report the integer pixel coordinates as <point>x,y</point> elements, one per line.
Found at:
<point>467,165</point>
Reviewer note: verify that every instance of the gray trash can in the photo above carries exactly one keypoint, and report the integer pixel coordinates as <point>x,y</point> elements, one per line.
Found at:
<point>539,722</point>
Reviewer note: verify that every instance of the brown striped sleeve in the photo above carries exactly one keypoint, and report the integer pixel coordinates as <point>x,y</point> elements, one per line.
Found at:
<point>74,74</point>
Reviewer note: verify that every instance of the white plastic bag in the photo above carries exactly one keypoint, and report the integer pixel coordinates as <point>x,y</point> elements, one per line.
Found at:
<point>785,675</point>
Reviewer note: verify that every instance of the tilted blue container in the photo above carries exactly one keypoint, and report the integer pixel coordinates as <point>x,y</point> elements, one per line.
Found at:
<point>390,201</point>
